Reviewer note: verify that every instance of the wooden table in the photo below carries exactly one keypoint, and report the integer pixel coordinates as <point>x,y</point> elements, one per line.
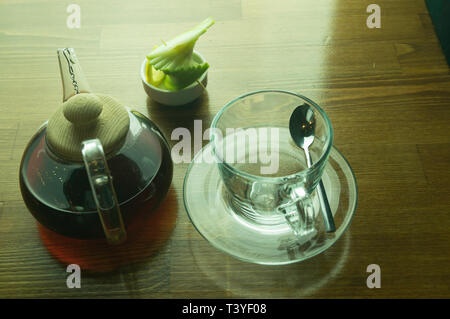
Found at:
<point>387,92</point>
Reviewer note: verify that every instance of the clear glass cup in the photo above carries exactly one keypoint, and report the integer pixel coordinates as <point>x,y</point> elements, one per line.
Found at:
<point>249,191</point>
<point>267,180</point>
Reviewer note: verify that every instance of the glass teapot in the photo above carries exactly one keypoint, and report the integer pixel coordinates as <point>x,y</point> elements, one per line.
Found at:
<point>95,165</point>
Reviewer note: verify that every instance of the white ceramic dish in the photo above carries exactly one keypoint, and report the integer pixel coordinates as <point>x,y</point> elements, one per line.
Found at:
<point>186,95</point>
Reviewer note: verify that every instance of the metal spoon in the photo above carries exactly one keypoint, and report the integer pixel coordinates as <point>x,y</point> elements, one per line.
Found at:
<point>301,126</point>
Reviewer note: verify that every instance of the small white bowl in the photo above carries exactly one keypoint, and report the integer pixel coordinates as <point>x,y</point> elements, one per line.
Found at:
<point>180,97</point>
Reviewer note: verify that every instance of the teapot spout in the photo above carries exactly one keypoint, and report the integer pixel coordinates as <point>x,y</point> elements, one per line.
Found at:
<point>72,76</point>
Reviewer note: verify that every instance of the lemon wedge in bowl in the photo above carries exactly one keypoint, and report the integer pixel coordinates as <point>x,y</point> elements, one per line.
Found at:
<point>173,73</point>
<point>153,76</point>
<point>176,59</point>
<point>164,93</point>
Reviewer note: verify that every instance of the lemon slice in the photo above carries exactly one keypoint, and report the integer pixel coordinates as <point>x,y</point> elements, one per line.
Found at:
<point>154,77</point>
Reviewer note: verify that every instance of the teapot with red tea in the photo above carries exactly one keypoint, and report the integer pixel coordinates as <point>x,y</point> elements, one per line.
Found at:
<point>95,165</point>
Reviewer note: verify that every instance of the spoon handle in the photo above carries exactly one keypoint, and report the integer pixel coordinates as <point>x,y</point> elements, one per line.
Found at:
<point>323,199</point>
<point>325,208</point>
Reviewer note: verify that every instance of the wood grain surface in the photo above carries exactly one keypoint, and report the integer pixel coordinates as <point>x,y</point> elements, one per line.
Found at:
<point>387,93</point>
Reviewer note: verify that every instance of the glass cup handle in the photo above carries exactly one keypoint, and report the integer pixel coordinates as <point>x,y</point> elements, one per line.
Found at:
<point>103,191</point>
<point>300,216</point>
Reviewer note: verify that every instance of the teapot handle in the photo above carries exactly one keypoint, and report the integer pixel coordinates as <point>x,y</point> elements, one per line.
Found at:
<point>105,197</point>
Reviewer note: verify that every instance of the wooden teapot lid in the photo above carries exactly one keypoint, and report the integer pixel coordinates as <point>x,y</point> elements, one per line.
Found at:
<point>86,116</point>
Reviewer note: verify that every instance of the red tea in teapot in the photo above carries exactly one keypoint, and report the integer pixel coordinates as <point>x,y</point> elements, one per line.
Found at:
<point>95,165</point>
<point>58,194</point>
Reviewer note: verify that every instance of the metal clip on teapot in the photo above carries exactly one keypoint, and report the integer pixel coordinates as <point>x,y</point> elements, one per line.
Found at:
<point>95,166</point>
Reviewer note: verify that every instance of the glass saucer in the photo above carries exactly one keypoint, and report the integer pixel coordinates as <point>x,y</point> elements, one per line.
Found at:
<point>206,202</point>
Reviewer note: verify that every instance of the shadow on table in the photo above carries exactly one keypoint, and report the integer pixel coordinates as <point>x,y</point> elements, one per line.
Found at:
<point>146,236</point>
<point>245,280</point>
